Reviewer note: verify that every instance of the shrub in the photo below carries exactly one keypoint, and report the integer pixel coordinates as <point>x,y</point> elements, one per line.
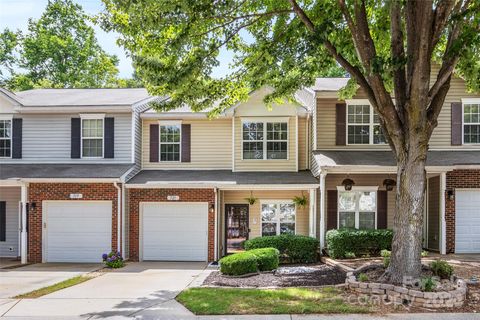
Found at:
<point>267,258</point>
<point>442,269</point>
<point>427,284</point>
<point>360,242</point>
<point>292,248</point>
<point>386,257</point>
<point>264,259</point>
<point>238,264</point>
<point>350,255</point>
<point>362,277</point>
<point>113,260</point>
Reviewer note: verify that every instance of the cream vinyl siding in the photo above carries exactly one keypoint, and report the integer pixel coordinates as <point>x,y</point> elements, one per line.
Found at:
<point>302,144</point>
<point>254,215</point>
<point>266,165</point>
<point>441,137</point>
<point>364,180</point>
<point>211,145</point>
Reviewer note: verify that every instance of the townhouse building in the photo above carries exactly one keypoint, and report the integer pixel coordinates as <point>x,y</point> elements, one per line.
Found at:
<point>86,171</point>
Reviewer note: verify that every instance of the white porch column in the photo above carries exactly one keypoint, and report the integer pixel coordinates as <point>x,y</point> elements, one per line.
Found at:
<point>312,216</point>
<point>215,238</point>
<point>323,175</point>
<point>443,230</point>
<point>23,231</point>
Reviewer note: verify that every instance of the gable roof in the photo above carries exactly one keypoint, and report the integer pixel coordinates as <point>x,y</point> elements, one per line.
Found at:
<point>81,97</point>
<point>329,84</point>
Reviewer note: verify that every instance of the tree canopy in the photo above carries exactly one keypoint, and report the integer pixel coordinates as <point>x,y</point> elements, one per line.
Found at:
<point>59,50</point>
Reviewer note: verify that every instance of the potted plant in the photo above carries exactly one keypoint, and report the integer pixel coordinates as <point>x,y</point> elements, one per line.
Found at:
<point>300,201</point>
<point>251,200</point>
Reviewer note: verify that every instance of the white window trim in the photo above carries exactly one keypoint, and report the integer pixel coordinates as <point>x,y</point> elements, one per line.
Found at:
<point>92,117</point>
<point>265,140</point>
<point>169,123</point>
<point>8,118</point>
<point>277,219</point>
<point>371,124</point>
<point>357,209</point>
<point>464,102</point>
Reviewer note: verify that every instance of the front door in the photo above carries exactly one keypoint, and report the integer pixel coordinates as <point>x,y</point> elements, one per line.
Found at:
<point>236,226</point>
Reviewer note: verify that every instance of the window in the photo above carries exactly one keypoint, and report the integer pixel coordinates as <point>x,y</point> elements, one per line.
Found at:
<point>278,218</point>
<point>471,123</point>
<point>170,136</point>
<point>265,140</point>
<point>363,125</point>
<point>5,138</point>
<point>357,209</point>
<point>92,138</point>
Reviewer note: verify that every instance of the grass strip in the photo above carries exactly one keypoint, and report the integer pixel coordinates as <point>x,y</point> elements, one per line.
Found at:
<point>54,287</point>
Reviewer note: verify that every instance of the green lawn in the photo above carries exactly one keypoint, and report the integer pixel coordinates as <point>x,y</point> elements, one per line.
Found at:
<point>210,301</point>
<point>55,287</point>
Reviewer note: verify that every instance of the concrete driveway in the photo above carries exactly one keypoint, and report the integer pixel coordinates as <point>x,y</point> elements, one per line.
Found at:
<point>32,277</point>
<point>140,289</point>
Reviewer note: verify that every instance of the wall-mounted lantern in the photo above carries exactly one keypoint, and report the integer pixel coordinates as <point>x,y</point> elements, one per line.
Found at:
<point>389,184</point>
<point>348,184</point>
<point>450,194</point>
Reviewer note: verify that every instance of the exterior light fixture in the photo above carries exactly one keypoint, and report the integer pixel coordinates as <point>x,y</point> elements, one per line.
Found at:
<point>389,184</point>
<point>211,208</point>
<point>450,194</point>
<point>348,184</point>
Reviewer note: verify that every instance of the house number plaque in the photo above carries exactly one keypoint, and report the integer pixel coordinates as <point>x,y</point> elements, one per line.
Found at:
<point>173,198</point>
<point>76,196</point>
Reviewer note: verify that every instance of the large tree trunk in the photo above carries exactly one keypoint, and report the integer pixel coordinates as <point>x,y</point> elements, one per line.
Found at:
<point>408,219</point>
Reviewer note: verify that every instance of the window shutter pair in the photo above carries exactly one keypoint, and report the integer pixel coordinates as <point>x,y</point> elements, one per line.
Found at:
<point>155,143</point>
<point>108,136</point>
<point>332,209</point>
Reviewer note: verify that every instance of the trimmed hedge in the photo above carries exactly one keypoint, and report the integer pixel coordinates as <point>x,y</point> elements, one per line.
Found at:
<point>293,248</point>
<point>265,259</point>
<point>360,242</point>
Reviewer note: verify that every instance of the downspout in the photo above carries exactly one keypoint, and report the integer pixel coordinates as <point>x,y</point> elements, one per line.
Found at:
<point>215,238</point>
<point>123,221</point>
<point>119,223</point>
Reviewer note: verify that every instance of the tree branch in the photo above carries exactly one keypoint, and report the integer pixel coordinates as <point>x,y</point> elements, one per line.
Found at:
<point>398,58</point>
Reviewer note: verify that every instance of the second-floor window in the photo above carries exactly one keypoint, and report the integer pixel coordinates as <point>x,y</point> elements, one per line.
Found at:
<point>265,140</point>
<point>5,138</point>
<point>363,125</point>
<point>170,139</point>
<point>92,138</point>
<point>471,123</point>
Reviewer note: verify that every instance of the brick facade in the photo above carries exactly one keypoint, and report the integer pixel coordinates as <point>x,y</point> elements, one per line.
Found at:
<point>135,196</point>
<point>468,178</point>
<point>38,192</point>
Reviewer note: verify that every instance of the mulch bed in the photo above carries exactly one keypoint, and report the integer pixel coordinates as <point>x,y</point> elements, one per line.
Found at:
<point>322,275</point>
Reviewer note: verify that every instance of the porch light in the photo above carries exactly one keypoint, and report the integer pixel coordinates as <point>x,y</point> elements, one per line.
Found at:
<point>389,184</point>
<point>348,184</point>
<point>211,208</point>
<point>450,194</point>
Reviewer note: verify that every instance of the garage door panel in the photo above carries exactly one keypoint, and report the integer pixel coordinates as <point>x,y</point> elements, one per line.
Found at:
<point>78,231</point>
<point>467,221</point>
<point>174,231</point>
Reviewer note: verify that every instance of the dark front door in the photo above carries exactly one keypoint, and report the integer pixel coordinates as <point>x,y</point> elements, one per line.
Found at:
<point>236,226</point>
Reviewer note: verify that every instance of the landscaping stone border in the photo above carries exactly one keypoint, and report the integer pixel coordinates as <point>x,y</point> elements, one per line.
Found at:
<point>390,292</point>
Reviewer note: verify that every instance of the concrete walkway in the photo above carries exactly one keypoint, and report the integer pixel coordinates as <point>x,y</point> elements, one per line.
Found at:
<point>32,277</point>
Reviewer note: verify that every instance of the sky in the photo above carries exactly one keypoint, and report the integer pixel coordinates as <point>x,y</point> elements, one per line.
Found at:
<point>14,14</point>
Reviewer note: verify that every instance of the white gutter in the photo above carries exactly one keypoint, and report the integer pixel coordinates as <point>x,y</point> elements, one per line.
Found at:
<point>75,109</point>
<point>119,210</point>
<point>71,180</point>
<point>222,186</point>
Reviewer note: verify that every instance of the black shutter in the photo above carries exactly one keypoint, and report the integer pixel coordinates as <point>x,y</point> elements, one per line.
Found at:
<point>154,143</point>
<point>457,138</point>
<point>75,138</point>
<point>341,124</point>
<point>382,205</point>
<point>186,130</point>
<point>332,207</point>
<point>3,221</point>
<point>109,143</point>
<point>17,138</point>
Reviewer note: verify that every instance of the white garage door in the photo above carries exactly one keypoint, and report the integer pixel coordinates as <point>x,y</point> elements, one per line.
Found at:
<point>77,231</point>
<point>174,231</point>
<point>467,221</point>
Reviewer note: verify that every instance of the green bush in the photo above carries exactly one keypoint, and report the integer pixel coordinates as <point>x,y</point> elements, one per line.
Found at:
<point>427,284</point>
<point>362,277</point>
<point>359,242</point>
<point>386,257</point>
<point>238,264</point>
<point>293,248</point>
<point>265,259</point>
<point>442,269</point>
